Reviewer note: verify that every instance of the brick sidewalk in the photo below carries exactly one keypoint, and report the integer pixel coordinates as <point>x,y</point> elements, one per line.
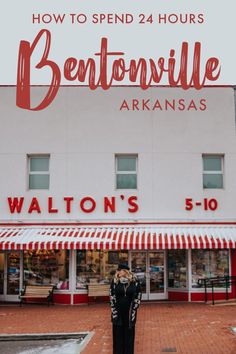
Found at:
<point>189,328</point>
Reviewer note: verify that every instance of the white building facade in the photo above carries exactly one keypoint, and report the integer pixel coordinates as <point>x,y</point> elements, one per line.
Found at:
<point>99,177</point>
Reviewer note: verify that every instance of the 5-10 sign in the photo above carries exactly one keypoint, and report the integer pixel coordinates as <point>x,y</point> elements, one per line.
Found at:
<point>206,204</point>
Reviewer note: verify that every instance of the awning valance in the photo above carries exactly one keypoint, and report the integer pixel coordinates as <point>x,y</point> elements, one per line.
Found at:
<point>115,237</point>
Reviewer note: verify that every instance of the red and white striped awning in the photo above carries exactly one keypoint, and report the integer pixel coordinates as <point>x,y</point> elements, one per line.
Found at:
<point>115,237</point>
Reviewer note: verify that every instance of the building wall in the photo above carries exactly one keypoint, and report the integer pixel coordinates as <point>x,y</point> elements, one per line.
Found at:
<point>82,130</point>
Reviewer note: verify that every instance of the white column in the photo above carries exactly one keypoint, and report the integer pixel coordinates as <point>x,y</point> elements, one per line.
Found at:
<point>72,275</point>
<point>189,274</point>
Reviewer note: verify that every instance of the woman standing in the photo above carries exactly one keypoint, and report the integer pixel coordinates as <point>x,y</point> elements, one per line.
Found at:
<point>125,298</point>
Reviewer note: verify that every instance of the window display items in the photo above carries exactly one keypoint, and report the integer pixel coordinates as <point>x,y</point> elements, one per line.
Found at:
<point>47,267</point>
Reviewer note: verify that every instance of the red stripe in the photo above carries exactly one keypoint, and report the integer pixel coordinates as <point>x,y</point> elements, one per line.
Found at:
<point>154,235</point>
<point>136,243</point>
<point>136,235</point>
<point>104,234</point>
<point>142,240</point>
<point>177,241</point>
<point>213,243</point>
<point>109,235</point>
<point>184,242</point>
<point>54,245</point>
<point>218,243</point>
<point>64,233</point>
<point>120,235</point>
<point>149,241</point>
<point>172,243</point>
<point>207,241</point>
<point>189,242</point>
<point>165,241</point>
<point>195,244</point>
<point>224,243</point>
<point>201,242</point>
<point>160,241</point>
<point>131,240</point>
<point>3,234</point>
<point>82,234</point>
<point>10,234</point>
<point>125,244</point>
<point>115,236</point>
<point>70,233</point>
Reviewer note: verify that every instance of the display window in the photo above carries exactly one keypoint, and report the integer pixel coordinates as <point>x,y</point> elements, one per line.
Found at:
<point>13,273</point>
<point>97,266</point>
<point>209,263</point>
<point>47,267</point>
<point>177,268</point>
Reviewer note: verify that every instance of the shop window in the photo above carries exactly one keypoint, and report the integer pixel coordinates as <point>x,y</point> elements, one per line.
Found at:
<point>13,273</point>
<point>126,171</point>
<point>47,267</point>
<point>97,266</point>
<point>38,172</point>
<point>177,269</point>
<point>209,263</point>
<point>212,171</point>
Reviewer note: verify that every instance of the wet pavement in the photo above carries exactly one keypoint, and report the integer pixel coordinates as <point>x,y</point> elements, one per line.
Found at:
<point>43,343</point>
<point>69,346</point>
<point>186,328</point>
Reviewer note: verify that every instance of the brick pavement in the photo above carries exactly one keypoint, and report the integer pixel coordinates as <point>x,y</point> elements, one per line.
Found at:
<point>190,328</point>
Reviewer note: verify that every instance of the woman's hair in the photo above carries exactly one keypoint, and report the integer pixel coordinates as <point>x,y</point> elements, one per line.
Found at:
<point>130,276</point>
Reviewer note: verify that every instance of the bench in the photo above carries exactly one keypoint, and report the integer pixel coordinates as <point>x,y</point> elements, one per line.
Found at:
<point>37,292</point>
<point>96,290</point>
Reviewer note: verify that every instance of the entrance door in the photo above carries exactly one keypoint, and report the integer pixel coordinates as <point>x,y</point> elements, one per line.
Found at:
<point>150,268</point>
<point>9,275</point>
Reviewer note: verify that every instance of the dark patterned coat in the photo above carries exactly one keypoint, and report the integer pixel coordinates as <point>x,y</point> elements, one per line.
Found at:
<point>125,300</point>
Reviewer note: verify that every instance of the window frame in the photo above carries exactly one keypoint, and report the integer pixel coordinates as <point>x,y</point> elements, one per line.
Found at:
<point>207,172</point>
<point>126,172</point>
<point>29,157</point>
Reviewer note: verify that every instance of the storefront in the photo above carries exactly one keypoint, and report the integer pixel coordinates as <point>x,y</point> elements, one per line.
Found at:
<point>167,259</point>
<point>151,188</point>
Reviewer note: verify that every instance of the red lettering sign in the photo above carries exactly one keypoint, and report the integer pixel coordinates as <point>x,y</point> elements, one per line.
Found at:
<point>142,71</point>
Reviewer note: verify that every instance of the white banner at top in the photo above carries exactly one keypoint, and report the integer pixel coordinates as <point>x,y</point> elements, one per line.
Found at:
<point>150,30</point>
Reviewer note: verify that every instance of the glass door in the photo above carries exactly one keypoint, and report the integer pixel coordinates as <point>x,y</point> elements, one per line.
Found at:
<point>150,269</point>
<point>9,275</point>
<point>157,275</point>
<point>139,268</point>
